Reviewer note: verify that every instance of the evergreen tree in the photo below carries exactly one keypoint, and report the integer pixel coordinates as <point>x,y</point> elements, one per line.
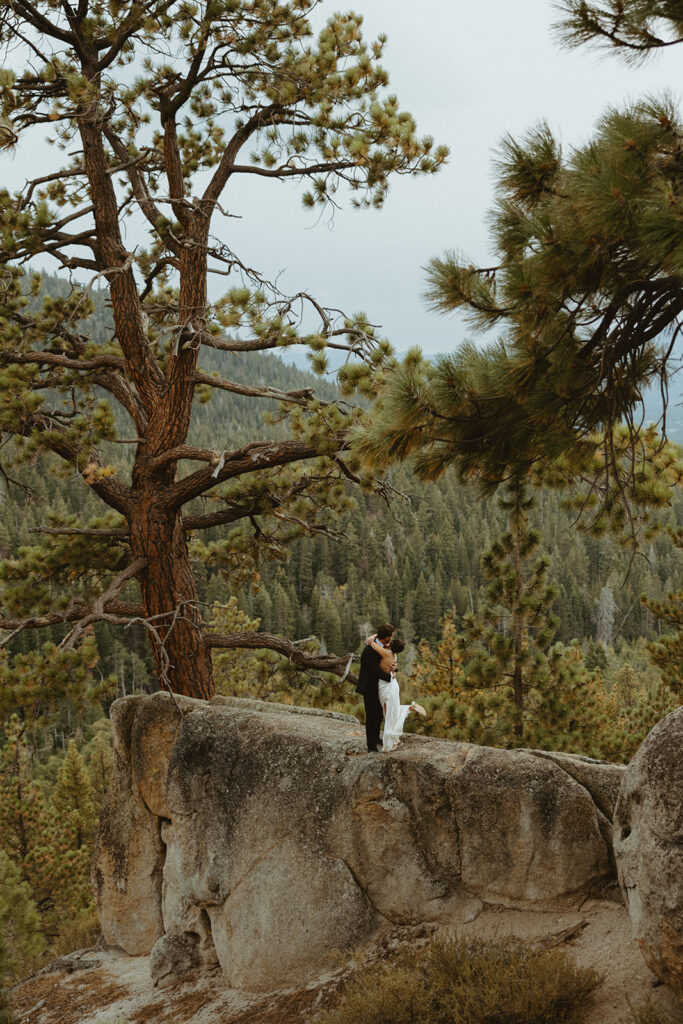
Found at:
<point>596,657</point>
<point>606,612</point>
<point>667,651</point>
<point>515,687</point>
<point>19,923</point>
<point>6,1015</point>
<point>47,682</point>
<point>99,759</point>
<point>439,670</point>
<point>586,288</point>
<point>222,89</point>
<point>72,803</point>
<point>25,827</point>
<point>505,647</point>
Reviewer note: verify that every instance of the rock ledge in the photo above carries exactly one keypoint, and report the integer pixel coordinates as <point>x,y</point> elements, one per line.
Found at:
<point>263,838</point>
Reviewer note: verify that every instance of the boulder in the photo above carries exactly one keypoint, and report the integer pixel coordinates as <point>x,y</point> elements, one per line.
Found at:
<point>173,956</point>
<point>269,838</point>
<point>648,848</point>
<point>530,835</point>
<point>129,855</point>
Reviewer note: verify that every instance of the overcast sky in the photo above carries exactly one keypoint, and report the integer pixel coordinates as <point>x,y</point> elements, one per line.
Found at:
<point>469,72</point>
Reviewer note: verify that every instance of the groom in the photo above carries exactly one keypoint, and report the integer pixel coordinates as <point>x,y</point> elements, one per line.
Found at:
<point>368,678</point>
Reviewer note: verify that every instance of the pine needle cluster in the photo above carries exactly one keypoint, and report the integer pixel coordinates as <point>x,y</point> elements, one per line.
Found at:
<point>585,290</point>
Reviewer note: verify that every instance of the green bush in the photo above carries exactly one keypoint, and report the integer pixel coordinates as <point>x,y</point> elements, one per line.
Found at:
<point>6,1016</point>
<point>465,981</point>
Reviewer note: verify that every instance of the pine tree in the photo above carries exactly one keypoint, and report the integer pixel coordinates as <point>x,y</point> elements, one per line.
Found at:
<point>439,670</point>
<point>505,647</point>
<point>6,1015</point>
<point>72,804</point>
<point>222,89</point>
<point>517,688</point>
<point>25,827</point>
<point>99,757</point>
<point>47,682</point>
<point>585,294</point>
<point>667,651</point>
<point>19,923</point>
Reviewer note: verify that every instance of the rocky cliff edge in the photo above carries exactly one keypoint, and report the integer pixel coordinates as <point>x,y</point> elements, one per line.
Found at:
<point>263,838</point>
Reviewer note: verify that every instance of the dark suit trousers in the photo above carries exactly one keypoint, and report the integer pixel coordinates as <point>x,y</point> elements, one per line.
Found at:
<point>373,717</point>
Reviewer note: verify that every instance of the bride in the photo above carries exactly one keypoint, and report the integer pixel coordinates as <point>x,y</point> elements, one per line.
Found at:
<point>395,713</point>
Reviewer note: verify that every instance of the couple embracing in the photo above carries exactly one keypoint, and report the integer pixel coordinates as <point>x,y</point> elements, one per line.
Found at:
<point>378,684</point>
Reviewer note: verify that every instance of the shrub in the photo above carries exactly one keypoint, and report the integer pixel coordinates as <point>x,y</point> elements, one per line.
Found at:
<point>465,981</point>
<point>648,1013</point>
<point>6,1016</point>
<point>79,932</point>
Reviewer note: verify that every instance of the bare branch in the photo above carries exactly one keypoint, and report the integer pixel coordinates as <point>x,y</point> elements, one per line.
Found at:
<point>121,609</point>
<point>99,606</point>
<point>269,641</point>
<point>302,397</point>
<point>57,359</point>
<point>74,531</point>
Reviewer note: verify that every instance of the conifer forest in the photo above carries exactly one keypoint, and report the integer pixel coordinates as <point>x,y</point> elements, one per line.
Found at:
<point>185,508</point>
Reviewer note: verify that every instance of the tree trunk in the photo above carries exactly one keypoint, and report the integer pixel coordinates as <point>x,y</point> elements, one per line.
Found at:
<point>517,673</point>
<point>169,596</point>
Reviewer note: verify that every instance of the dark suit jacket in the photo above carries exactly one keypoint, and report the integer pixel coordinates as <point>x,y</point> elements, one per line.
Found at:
<point>370,672</point>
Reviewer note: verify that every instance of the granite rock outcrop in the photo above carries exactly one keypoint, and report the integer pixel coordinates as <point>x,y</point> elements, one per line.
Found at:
<point>264,837</point>
<point>648,846</point>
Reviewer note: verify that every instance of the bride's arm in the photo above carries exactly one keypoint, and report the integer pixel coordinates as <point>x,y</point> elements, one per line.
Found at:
<point>388,662</point>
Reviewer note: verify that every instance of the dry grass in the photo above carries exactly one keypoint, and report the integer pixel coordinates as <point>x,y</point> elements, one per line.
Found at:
<point>78,932</point>
<point>648,1013</point>
<point>462,981</point>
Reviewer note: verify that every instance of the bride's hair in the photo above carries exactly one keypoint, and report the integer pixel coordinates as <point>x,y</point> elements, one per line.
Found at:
<point>397,645</point>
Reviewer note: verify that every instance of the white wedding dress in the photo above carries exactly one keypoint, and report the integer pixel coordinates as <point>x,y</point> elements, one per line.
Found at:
<point>395,713</point>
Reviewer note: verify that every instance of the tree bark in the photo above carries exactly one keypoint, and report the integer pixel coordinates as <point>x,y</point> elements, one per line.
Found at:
<point>169,596</point>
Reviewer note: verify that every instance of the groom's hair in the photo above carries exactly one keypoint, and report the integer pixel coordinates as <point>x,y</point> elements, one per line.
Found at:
<point>397,645</point>
<point>384,632</point>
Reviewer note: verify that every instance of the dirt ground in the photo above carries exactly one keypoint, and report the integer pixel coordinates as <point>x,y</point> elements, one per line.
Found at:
<point>104,986</point>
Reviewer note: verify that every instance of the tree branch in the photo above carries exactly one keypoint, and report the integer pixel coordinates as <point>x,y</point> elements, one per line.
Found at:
<point>99,606</point>
<point>110,490</point>
<point>124,609</point>
<point>268,641</point>
<point>227,162</point>
<point>57,359</point>
<point>302,397</point>
<point>42,24</point>
<point>252,457</point>
<point>75,531</point>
